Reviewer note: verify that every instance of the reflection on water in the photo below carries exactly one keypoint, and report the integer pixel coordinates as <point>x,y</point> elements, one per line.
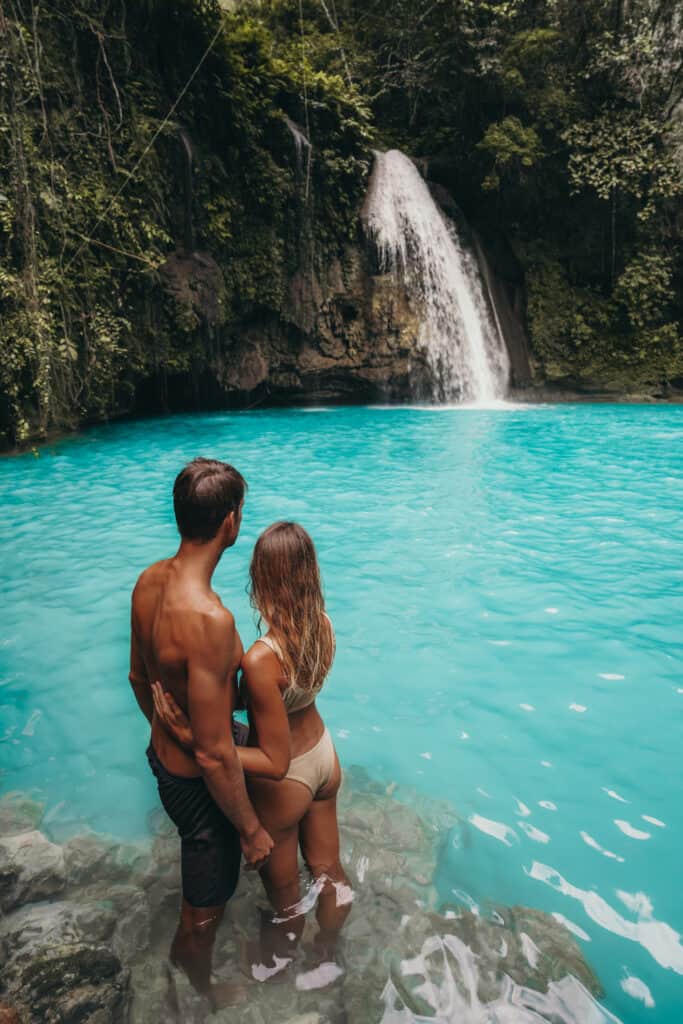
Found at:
<point>398,959</point>
<point>445,980</point>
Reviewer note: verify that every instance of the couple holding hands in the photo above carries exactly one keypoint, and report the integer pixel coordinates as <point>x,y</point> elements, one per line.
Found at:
<point>186,656</point>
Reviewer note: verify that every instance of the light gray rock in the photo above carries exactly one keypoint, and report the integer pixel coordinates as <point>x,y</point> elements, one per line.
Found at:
<point>91,858</point>
<point>132,932</point>
<point>31,868</point>
<point>85,858</point>
<point>395,956</point>
<point>29,930</point>
<point>151,997</point>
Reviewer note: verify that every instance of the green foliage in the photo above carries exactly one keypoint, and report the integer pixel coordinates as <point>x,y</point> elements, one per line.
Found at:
<point>512,147</point>
<point>624,153</point>
<point>626,340</point>
<point>555,123</point>
<point>93,188</point>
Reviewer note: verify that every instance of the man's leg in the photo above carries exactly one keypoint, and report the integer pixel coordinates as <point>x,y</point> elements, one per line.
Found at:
<point>210,867</point>
<point>210,870</point>
<point>192,947</point>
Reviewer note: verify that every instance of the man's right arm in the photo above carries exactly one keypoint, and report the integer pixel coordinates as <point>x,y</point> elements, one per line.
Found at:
<point>209,711</point>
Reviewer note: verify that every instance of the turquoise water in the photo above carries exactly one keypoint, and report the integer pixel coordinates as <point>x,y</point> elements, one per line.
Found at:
<point>506,589</point>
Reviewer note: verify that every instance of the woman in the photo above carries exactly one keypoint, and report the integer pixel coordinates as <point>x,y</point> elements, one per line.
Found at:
<point>292,768</point>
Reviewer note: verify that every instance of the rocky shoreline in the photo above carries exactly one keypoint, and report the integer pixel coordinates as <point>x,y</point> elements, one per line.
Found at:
<point>86,926</point>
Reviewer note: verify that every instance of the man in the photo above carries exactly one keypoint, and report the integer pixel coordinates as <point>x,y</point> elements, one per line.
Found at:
<point>183,636</point>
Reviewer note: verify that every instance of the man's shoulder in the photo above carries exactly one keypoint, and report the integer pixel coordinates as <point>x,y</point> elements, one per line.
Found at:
<point>217,618</point>
<point>147,586</point>
<point>151,574</point>
<point>210,634</point>
<point>207,607</point>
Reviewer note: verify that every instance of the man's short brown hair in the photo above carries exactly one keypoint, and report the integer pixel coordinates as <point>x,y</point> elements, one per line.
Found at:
<point>204,493</point>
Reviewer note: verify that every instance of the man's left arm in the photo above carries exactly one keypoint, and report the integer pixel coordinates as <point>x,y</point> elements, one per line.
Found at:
<point>138,676</point>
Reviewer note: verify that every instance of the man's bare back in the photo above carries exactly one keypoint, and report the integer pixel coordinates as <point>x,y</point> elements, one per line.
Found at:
<point>172,618</point>
<point>183,637</point>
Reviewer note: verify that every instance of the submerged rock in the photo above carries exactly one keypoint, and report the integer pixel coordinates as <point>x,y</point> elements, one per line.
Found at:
<point>91,858</point>
<point>19,813</point>
<point>71,984</point>
<point>31,868</point>
<point>133,927</point>
<point>400,956</point>
<point>28,931</point>
<point>466,962</point>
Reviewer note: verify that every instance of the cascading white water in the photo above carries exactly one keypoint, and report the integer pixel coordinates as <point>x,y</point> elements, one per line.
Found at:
<point>300,140</point>
<point>415,241</point>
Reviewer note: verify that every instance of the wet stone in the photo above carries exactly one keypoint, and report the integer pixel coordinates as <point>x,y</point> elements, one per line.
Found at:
<point>132,933</point>
<point>401,955</point>
<point>31,868</point>
<point>467,963</point>
<point>93,858</point>
<point>71,984</point>
<point>26,932</point>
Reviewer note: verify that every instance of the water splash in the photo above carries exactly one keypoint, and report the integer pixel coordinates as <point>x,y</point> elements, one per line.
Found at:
<point>414,240</point>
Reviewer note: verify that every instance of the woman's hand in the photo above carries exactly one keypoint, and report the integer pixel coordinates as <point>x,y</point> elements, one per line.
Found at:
<point>172,717</point>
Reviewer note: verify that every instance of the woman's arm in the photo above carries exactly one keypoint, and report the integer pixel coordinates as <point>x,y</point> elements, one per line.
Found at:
<point>261,676</point>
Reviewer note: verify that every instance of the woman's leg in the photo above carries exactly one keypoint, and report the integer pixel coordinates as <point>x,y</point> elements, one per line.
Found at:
<point>280,807</point>
<point>319,838</point>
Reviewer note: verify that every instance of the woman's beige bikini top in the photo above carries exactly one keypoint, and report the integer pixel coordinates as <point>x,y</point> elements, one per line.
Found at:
<point>295,697</point>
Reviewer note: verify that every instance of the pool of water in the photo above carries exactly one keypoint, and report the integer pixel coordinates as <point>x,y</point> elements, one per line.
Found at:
<point>506,589</point>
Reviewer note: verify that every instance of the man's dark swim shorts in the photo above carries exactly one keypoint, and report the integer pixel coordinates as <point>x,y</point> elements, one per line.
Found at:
<point>210,844</point>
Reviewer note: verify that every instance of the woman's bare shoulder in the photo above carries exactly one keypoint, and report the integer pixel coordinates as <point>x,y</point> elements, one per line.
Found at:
<point>259,657</point>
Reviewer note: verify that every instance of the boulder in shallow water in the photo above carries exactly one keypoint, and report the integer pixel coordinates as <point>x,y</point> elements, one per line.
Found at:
<point>93,858</point>
<point>29,930</point>
<point>458,966</point>
<point>384,841</point>
<point>132,933</point>
<point>31,868</point>
<point>71,984</point>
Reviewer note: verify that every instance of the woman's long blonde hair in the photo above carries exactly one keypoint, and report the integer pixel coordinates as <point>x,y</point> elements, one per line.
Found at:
<point>286,591</point>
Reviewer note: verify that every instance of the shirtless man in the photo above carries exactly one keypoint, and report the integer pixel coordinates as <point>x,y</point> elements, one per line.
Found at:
<point>182,636</point>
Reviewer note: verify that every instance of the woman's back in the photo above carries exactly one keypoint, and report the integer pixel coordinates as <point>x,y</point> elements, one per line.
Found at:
<point>305,723</point>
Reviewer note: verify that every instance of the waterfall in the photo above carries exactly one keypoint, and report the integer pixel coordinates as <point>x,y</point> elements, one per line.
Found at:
<point>415,241</point>
<point>189,188</point>
<point>300,141</point>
